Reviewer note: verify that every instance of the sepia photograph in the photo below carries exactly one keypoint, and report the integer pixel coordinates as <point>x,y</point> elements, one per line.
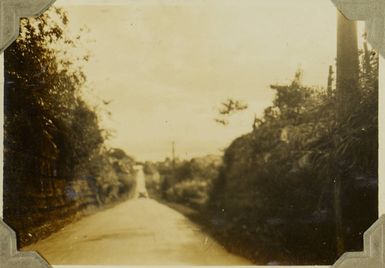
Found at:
<point>184,132</point>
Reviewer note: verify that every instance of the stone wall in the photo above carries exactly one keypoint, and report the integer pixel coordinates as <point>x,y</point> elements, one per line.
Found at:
<point>36,205</point>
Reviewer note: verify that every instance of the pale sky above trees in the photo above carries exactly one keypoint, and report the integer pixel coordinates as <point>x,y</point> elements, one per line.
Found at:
<point>167,65</point>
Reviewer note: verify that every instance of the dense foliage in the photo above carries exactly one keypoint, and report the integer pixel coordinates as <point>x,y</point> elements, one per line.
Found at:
<point>52,135</point>
<point>187,181</point>
<point>281,177</point>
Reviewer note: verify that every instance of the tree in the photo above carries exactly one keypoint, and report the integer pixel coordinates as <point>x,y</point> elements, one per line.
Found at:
<point>51,134</point>
<point>309,164</point>
<point>40,88</point>
<point>228,108</point>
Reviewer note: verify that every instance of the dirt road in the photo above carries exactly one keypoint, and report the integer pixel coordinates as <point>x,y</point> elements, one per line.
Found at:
<point>136,232</point>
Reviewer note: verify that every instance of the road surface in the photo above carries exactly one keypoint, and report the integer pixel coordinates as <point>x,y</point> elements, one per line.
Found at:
<point>136,232</point>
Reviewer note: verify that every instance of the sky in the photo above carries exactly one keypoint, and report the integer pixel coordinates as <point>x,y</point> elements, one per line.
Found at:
<point>165,66</point>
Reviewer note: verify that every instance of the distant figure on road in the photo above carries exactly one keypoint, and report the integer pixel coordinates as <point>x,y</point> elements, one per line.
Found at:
<point>140,190</point>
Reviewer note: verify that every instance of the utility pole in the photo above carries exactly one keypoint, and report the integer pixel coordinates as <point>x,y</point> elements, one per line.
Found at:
<point>347,96</point>
<point>330,81</point>
<point>173,154</point>
<point>347,80</point>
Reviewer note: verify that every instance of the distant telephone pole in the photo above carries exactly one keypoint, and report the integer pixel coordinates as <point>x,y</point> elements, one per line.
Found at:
<point>173,154</point>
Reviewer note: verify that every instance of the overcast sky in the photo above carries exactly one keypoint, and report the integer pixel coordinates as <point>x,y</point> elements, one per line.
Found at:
<point>167,65</point>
